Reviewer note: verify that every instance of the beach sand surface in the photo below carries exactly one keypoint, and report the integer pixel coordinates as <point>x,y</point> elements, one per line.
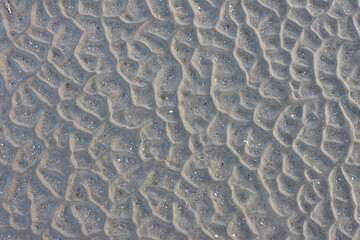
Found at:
<point>179,119</point>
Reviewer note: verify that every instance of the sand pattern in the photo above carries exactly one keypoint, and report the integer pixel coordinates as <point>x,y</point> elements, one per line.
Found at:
<point>180,119</point>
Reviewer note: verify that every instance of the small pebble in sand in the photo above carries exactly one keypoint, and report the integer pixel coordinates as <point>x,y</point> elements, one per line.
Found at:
<point>7,6</point>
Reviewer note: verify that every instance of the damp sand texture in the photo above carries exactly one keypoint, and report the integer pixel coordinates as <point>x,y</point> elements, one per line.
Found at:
<point>179,119</point>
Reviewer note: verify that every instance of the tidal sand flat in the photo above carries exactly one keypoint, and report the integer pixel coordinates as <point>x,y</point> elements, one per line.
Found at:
<point>179,119</point>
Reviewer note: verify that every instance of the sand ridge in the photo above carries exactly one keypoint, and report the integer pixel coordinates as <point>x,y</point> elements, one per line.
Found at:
<point>179,119</point>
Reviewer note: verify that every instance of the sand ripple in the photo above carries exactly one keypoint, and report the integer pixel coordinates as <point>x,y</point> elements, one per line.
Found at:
<point>198,119</point>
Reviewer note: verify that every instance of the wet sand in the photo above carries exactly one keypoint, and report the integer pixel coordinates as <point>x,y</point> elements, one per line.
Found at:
<point>198,119</point>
